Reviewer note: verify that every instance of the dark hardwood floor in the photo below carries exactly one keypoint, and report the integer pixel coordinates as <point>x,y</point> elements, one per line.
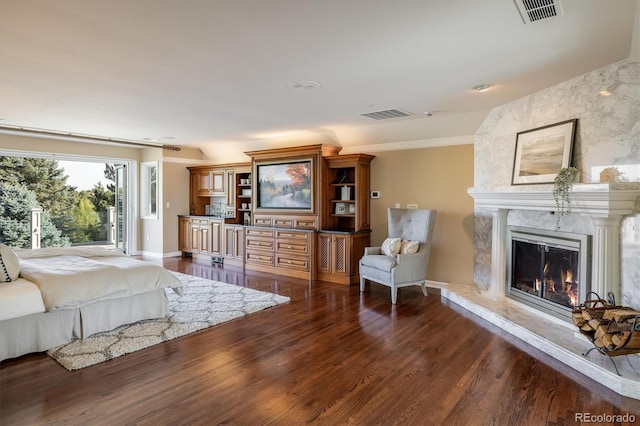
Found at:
<point>330,356</point>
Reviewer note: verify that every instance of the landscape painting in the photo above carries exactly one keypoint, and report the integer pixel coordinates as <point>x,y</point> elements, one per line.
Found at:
<point>542,152</point>
<point>285,185</point>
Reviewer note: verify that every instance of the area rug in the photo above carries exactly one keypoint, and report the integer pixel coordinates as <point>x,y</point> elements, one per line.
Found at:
<point>204,303</point>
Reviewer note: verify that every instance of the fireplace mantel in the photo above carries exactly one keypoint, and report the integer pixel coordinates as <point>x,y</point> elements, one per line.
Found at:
<point>604,203</point>
<point>593,199</point>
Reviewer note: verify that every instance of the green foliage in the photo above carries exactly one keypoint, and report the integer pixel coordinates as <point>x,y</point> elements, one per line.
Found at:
<point>562,185</point>
<point>86,219</point>
<point>49,183</point>
<point>102,197</point>
<point>71,213</point>
<point>16,203</point>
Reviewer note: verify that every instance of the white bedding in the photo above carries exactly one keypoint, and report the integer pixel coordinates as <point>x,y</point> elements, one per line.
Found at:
<point>19,298</point>
<point>73,277</point>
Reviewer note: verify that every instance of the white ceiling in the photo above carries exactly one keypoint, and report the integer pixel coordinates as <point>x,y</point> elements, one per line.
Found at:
<point>214,73</point>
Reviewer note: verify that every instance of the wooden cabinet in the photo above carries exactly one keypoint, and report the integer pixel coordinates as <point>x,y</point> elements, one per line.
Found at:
<point>243,198</point>
<point>214,186</point>
<point>325,242</point>
<point>233,242</point>
<point>217,183</point>
<point>347,188</point>
<point>230,193</point>
<point>346,223</point>
<point>338,256</point>
<point>285,252</point>
<point>215,235</point>
<point>200,237</point>
<point>203,183</point>
<point>259,245</point>
<point>184,234</point>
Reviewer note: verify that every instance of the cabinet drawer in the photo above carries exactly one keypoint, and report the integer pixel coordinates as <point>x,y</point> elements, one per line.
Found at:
<point>253,232</point>
<point>292,235</point>
<point>292,262</point>
<point>289,246</point>
<point>259,257</point>
<point>261,221</point>
<point>259,243</point>
<point>200,222</point>
<point>283,223</point>
<point>306,224</point>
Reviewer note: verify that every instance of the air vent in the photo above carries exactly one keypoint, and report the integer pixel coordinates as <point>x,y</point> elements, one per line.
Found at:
<point>384,115</point>
<point>536,10</point>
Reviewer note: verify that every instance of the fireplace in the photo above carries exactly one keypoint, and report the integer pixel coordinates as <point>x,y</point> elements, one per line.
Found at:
<point>548,270</point>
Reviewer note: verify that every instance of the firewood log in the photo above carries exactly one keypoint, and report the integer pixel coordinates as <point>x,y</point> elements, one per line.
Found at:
<point>620,314</point>
<point>620,339</point>
<point>590,314</point>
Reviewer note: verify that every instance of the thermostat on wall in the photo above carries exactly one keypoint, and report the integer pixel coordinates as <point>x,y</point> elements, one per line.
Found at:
<point>375,194</point>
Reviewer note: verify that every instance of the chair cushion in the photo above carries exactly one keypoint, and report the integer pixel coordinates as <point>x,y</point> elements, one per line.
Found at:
<point>409,247</point>
<point>378,261</point>
<point>391,246</point>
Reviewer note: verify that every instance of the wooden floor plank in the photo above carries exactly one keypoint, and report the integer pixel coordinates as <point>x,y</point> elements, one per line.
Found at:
<point>330,356</point>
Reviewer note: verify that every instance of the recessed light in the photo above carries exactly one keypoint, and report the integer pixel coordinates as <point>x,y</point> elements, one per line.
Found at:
<point>151,139</point>
<point>482,87</point>
<point>304,84</point>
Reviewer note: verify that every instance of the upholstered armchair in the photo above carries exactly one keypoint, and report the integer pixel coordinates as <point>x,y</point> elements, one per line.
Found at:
<point>402,259</point>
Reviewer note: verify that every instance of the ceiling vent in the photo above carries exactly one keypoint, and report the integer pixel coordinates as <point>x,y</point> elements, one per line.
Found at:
<point>386,114</point>
<point>536,10</point>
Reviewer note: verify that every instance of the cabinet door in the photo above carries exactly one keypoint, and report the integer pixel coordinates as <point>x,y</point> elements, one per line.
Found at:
<point>340,254</point>
<point>203,183</point>
<point>334,254</point>
<point>205,239</point>
<point>194,240</point>
<point>218,183</point>
<point>239,242</point>
<point>184,234</point>
<point>324,253</point>
<point>215,229</point>
<point>230,189</point>
<point>233,242</point>
<point>229,242</point>
<point>193,193</point>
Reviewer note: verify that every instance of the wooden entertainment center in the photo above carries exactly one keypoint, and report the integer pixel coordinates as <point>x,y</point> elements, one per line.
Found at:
<point>300,211</point>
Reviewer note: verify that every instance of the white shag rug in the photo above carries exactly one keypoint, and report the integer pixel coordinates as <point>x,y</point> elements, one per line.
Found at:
<point>204,303</point>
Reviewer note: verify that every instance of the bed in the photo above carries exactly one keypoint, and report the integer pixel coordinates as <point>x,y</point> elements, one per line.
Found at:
<point>54,295</point>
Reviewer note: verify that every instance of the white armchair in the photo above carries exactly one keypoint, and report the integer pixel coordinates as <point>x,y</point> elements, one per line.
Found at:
<point>404,269</point>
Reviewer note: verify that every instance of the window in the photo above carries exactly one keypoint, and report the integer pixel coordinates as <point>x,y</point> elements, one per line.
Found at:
<point>149,190</point>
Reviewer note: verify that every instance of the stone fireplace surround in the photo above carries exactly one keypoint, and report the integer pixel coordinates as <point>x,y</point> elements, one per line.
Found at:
<point>605,205</point>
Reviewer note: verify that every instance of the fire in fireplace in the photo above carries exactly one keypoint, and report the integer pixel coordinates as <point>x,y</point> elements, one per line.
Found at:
<point>548,269</point>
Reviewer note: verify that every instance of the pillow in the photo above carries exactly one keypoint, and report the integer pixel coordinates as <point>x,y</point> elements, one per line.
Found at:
<point>9,264</point>
<point>409,247</point>
<point>391,247</point>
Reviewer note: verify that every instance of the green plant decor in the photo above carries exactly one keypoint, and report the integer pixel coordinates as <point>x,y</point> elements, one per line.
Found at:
<point>562,185</point>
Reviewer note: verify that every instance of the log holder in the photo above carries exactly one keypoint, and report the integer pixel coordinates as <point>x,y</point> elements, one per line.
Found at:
<point>600,304</point>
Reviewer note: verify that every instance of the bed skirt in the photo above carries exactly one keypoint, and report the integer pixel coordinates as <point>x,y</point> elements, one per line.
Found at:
<point>40,332</point>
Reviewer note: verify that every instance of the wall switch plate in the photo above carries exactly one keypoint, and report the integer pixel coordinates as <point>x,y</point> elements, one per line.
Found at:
<point>412,206</point>
<point>397,205</point>
<point>375,194</point>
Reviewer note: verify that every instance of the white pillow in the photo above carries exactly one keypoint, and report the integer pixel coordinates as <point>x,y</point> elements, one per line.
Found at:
<point>391,247</point>
<point>9,264</point>
<point>409,247</point>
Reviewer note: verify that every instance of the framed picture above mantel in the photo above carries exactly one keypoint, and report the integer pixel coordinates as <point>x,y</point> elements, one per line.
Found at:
<point>542,152</point>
